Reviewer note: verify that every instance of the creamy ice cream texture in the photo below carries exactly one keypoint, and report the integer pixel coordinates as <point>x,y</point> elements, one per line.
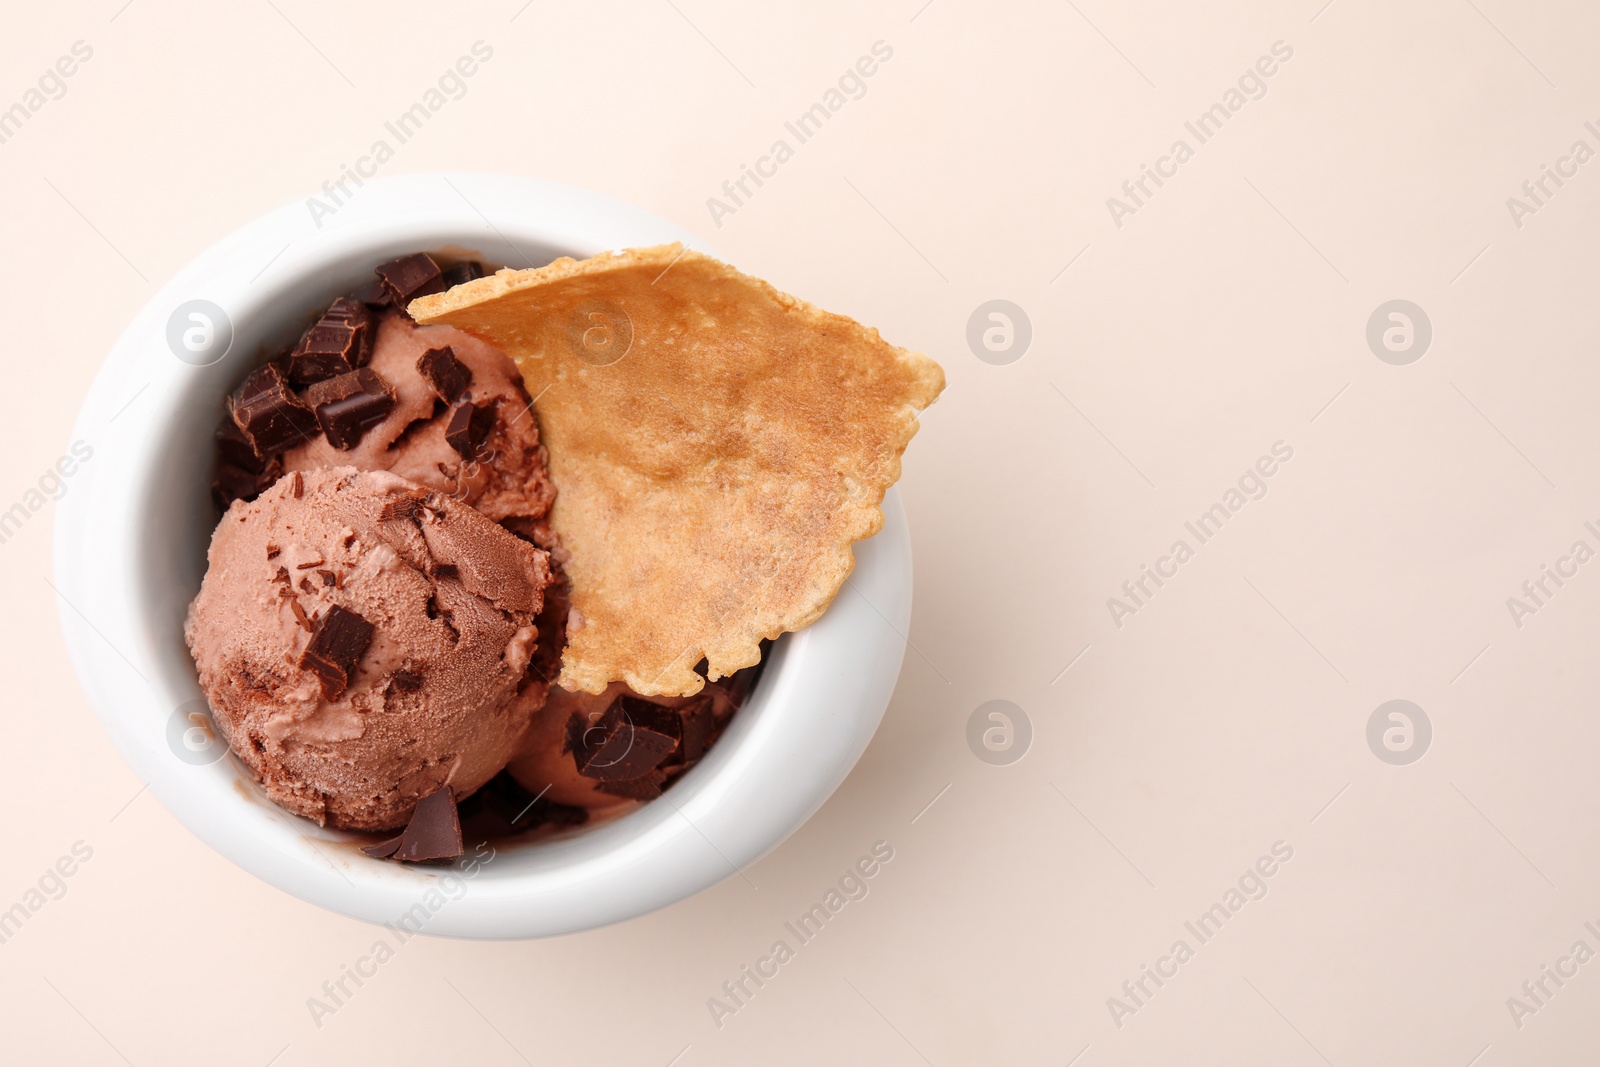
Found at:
<point>505,480</point>
<point>431,699</point>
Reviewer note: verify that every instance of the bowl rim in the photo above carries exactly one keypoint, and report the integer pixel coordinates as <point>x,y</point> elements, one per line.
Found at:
<point>822,693</point>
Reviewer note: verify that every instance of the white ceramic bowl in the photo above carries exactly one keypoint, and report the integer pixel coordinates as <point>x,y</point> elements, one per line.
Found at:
<point>131,536</point>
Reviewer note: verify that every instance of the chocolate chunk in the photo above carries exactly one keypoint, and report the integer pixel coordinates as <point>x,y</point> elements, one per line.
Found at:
<point>447,374</point>
<point>737,686</point>
<point>326,576</point>
<point>406,681</point>
<point>469,428</point>
<point>462,272</point>
<point>698,725</point>
<point>235,448</point>
<point>349,405</point>
<point>504,807</point>
<point>359,317</point>
<point>232,483</point>
<point>337,644</point>
<point>631,739</point>
<point>326,351</point>
<point>269,416</point>
<point>383,849</point>
<point>434,832</point>
<point>645,787</point>
<point>409,277</point>
<point>338,343</point>
<point>374,295</point>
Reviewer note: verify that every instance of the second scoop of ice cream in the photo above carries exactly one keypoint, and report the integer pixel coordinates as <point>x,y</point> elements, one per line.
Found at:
<point>362,639</point>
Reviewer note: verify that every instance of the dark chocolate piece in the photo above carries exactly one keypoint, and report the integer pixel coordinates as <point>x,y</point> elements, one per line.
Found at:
<point>504,807</point>
<point>645,787</point>
<point>406,681</point>
<point>269,416</point>
<point>337,343</point>
<point>631,739</point>
<point>698,724</point>
<point>359,317</point>
<point>326,351</point>
<point>373,294</point>
<point>232,483</point>
<point>434,832</point>
<point>447,374</point>
<point>462,272</point>
<point>338,642</point>
<point>409,277</point>
<point>383,849</point>
<point>235,448</point>
<point>469,428</point>
<point>349,405</point>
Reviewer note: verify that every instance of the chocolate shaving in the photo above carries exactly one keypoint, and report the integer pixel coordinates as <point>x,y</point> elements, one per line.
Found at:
<point>282,575</point>
<point>434,832</point>
<point>305,585</point>
<point>299,614</point>
<point>308,566</point>
<point>326,576</point>
<point>447,374</point>
<point>297,485</point>
<point>269,416</point>
<point>469,428</point>
<point>409,277</point>
<point>405,507</point>
<point>349,405</point>
<point>338,641</point>
<point>273,551</point>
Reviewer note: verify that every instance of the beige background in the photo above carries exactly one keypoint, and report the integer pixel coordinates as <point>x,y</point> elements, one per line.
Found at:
<point>1228,715</point>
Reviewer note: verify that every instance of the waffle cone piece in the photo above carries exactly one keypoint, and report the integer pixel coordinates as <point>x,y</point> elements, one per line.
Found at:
<point>717,447</point>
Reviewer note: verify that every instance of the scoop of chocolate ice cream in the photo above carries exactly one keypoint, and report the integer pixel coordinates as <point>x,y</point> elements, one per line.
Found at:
<point>462,423</point>
<point>361,640</point>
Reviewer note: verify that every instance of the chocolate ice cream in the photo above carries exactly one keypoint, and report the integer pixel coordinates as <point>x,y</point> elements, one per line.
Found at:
<point>361,640</point>
<point>366,387</point>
